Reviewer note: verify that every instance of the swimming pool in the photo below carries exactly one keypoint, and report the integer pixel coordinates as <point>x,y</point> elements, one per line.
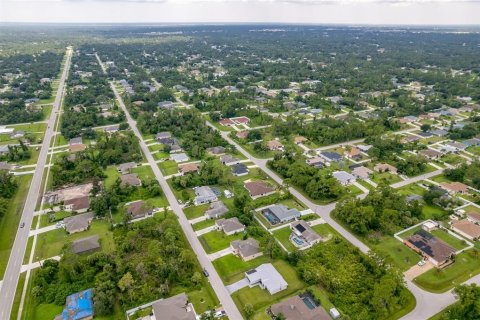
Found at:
<point>309,302</point>
<point>271,218</point>
<point>298,241</point>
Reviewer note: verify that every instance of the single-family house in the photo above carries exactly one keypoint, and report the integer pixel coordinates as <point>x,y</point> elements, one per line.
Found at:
<point>353,153</point>
<point>435,250</point>
<point>216,151</point>
<point>79,306</point>
<point>139,209</point>
<point>454,187</point>
<point>239,169</point>
<point>362,172</point>
<point>299,140</point>
<point>258,189</point>
<point>179,157</point>
<point>296,308</point>
<point>163,135</point>
<point>275,145</point>
<point>175,308</point>
<point>474,217</point>
<point>226,122</point>
<point>458,146</point>
<point>125,168</point>
<point>85,245</point>
<point>466,229</point>
<point>385,167</point>
<point>247,249</point>
<point>303,236</point>
<point>203,195</point>
<point>230,226</point>
<point>242,134</point>
<point>344,178</point>
<point>216,210</point>
<point>228,160</point>
<point>279,214</point>
<point>75,141</point>
<point>331,156</point>
<point>130,179</point>
<point>78,223</point>
<point>430,154</point>
<point>78,204</point>
<point>267,277</point>
<point>317,162</point>
<point>189,168</point>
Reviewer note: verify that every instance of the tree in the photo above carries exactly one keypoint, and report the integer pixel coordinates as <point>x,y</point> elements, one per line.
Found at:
<point>425,127</point>
<point>249,311</point>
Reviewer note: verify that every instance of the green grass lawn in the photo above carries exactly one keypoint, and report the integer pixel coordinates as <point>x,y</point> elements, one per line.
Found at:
<point>325,230</point>
<point>283,235</point>
<point>217,240</point>
<point>112,176</point>
<point>396,252</point>
<point>466,265</point>
<point>232,268</point>
<point>193,212</point>
<point>144,172</point>
<point>260,299</point>
<point>10,221</point>
<point>168,167</point>
<point>203,224</point>
<point>203,299</point>
<point>387,177</point>
<point>51,243</point>
<point>31,127</point>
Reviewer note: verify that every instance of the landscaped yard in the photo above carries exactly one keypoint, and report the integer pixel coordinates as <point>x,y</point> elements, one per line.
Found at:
<point>51,243</point>
<point>217,240</point>
<point>260,299</point>
<point>283,235</point>
<point>466,265</point>
<point>232,268</point>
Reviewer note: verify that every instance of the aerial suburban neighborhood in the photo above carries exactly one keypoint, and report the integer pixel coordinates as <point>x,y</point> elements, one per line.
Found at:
<point>239,172</point>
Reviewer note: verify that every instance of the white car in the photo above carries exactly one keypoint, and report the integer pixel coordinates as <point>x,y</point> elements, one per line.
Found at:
<point>421,263</point>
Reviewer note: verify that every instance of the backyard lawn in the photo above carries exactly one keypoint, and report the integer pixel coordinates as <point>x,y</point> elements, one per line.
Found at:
<point>217,240</point>
<point>283,235</point>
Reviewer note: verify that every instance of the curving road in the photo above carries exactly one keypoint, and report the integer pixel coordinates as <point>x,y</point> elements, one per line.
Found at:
<point>12,273</point>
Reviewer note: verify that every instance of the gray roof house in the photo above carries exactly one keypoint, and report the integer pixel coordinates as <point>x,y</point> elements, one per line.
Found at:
<point>247,249</point>
<point>344,178</point>
<point>124,168</point>
<point>130,179</point>
<point>331,156</point>
<point>230,226</point>
<point>78,223</point>
<point>303,235</point>
<point>87,244</point>
<point>179,157</point>
<point>227,159</point>
<point>74,141</point>
<point>163,135</point>
<point>216,150</point>
<point>239,169</point>
<point>203,195</point>
<point>267,277</point>
<point>216,210</point>
<point>174,308</point>
<point>280,213</point>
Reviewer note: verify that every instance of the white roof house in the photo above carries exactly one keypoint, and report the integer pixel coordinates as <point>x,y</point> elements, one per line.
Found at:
<point>344,177</point>
<point>267,277</point>
<point>179,157</point>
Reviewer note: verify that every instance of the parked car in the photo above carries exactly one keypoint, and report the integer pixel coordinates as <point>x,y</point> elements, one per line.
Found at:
<point>421,263</point>
<point>205,272</point>
<point>22,224</point>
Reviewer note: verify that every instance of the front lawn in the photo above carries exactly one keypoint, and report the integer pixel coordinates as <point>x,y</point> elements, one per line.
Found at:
<point>232,268</point>
<point>51,243</point>
<point>217,240</point>
<point>203,224</point>
<point>193,212</point>
<point>466,265</point>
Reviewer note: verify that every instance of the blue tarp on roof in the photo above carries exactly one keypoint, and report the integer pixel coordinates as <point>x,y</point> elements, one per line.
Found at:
<point>79,306</point>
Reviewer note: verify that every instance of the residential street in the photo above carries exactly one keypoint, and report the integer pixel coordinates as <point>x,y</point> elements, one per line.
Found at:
<point>12,273</point>
<point>217,284</point>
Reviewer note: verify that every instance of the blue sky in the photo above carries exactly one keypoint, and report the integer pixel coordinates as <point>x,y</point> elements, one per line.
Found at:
<point>290,11</point>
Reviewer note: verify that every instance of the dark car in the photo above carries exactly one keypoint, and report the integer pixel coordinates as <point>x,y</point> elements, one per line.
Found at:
<point>22,224</point>
<point>205,272</point>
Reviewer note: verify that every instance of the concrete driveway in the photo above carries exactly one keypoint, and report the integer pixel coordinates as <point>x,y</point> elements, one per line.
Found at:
<point>238,285</point>
<point>417,270</point>
<point>219,254</point>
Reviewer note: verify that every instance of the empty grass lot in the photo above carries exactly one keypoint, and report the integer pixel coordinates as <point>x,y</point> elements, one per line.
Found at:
<point>51,243</point>
<point>466,265</point>
<point>203,224</point>
<point>217,240</point>
<point>396,252</point>
<point>168,167</point>
<point>232,268</point>
<point>260,299</point>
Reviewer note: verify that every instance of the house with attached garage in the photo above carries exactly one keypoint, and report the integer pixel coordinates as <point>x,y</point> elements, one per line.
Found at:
<point>230,226</point>
<point>267,277</point>
<point>216,210</point>
<point>344,178</point>
<point>203,195</point>
<point>435,250</point>
<point>303,236</point>
<point>276,214</point>
<point>239,170</point>
<point>258,189</point>
<point>247,249</point>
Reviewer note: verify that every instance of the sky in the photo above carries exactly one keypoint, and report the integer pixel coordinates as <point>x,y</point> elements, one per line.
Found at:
<point>397,12</point>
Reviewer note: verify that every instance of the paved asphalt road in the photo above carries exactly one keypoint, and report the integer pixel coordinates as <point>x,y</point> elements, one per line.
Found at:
<point>12,273</point>
<point>217,284</point>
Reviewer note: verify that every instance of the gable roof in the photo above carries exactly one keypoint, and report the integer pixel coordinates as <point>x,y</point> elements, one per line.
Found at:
<point>230,225</point>
<point>174,308</point>
<point>78,306</point>
<point>78,222</point>
<point>85,244</point>
<point>294,308</point>
<point>216,209</point>
<point>431,246</point>
<point>257,188</point>
<point>246,248</point>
